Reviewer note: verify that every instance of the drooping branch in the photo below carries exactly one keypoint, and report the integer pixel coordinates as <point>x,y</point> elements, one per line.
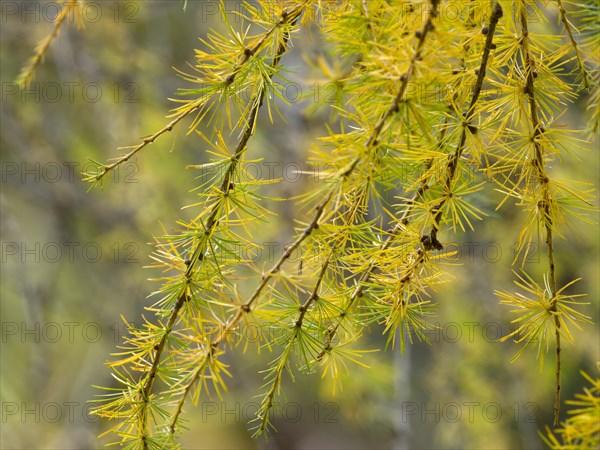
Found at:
<point>159,347</point>
<point>432,243</point>
<point>467,126</point>
<point>543,181</point>
<point>212,222</point>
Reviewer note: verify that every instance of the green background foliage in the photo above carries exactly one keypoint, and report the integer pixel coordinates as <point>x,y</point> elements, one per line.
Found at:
<point>107,85</point>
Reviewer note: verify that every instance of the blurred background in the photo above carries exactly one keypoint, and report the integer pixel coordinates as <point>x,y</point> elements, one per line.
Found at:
<point>72,259</point>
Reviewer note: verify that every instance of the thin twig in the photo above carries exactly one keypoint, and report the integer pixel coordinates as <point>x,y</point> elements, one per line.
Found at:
<point>567,25</point>
<point>286,17</point>
<point>267,402</point>
<point>96,177</point>
<point>28,70</point>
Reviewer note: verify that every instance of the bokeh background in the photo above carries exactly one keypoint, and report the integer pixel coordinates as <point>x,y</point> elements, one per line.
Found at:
<point>72,259</point>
